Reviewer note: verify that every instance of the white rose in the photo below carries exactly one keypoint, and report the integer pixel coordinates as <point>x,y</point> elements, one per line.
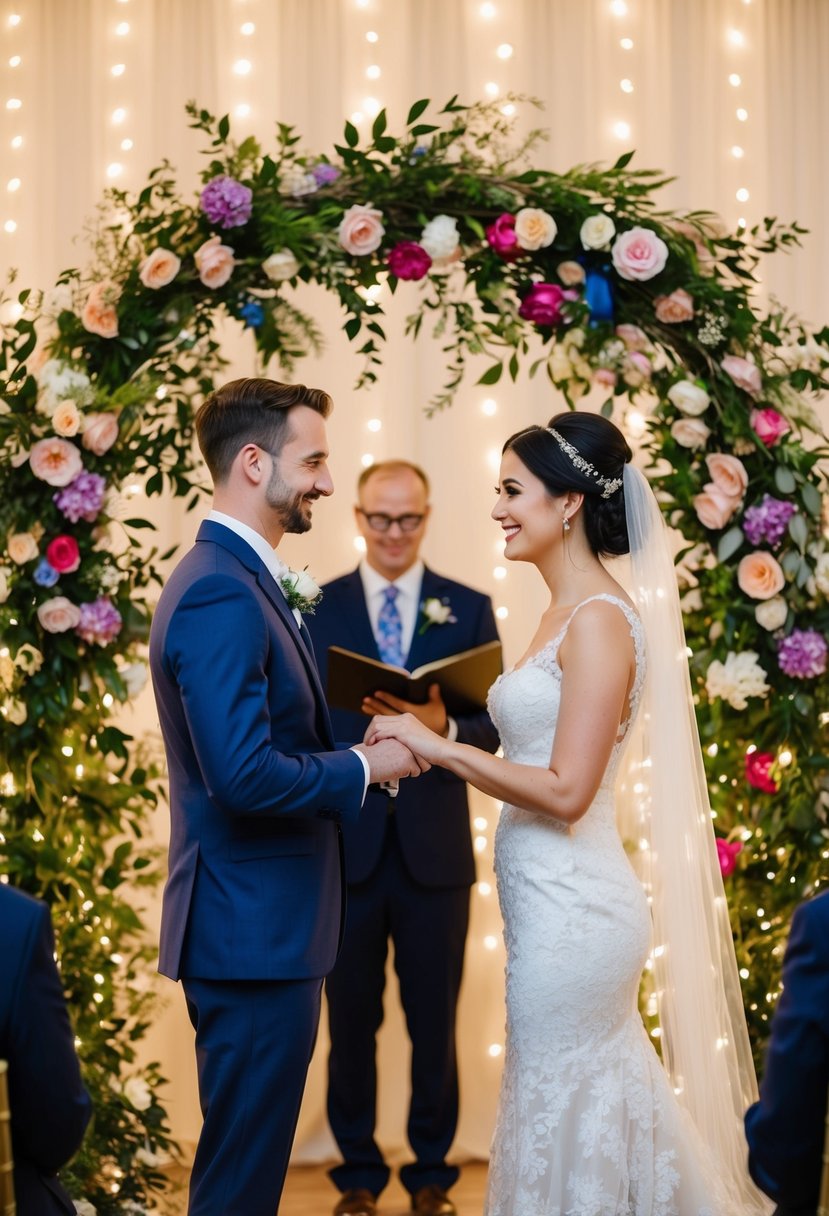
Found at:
<point>135,677</point>
<point>297,182</point>
<point>597,232</point>
<point>534,228</point>
<point>138,1093</point>
<point>28,659</point>
<point>771,614</point>
<point>688,397</point>
<point>57,300</point>
<point>739,678</point>
<point>14,711</point>
<point>690,432</point>
<point>303,584</point>
<point>5,589</point>
<point>280,266</point>
<point>436,612</point>
<point>440,237</point>
<point>822,573</point>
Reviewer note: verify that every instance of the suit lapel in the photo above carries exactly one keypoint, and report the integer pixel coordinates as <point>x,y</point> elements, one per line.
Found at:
<point>355,616</point>
<point>432,642</point>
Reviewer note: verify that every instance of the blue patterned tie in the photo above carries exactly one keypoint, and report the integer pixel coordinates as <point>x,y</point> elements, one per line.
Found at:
<point>390,629</point>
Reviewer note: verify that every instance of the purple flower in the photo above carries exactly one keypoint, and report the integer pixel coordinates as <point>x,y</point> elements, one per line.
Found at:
<point>227,202</point>
<point>100,621</point>
<point>45,575</point>
<point>802,654</point>
<point>82,498</point>
<point>768,521</point>
<point>325,174</point>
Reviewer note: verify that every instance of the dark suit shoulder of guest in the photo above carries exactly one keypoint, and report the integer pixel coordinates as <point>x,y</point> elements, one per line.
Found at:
<point>785,1129</point>
<point>257,784</point>
<point>49,1106</point>
<point>432,813</point>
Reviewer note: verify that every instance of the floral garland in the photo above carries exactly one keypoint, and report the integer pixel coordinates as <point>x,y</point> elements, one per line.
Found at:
<point>577,275</point>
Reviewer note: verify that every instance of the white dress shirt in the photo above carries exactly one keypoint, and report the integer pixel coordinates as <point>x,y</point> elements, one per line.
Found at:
<point>277,569</point>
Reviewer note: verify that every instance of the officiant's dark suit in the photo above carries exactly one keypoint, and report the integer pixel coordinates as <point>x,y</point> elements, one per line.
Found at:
<point>786,1128</point>
<point>409,863</point>
<point>49,1106</point>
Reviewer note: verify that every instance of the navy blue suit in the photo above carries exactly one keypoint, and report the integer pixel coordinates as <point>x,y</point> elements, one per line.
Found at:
<point>253,905</point>
<point>409,866</point>
<point>49,1106</point>
<point>785,1129</point>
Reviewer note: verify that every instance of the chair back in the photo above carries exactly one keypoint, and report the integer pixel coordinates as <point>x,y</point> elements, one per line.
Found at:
<point>7,1204</point>
<point>823,1202</point>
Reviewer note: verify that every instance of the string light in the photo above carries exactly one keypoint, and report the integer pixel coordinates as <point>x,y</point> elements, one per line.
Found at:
<point>505,50</point>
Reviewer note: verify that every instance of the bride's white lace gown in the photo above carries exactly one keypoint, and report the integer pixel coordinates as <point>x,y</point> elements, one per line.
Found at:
<point>588,1124</point>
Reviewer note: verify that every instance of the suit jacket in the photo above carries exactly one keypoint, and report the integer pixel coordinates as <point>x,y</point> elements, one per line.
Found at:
<point>49,1106</point>
<point>785,1129</point>
<point>432,812</point>
<point>257,785</point>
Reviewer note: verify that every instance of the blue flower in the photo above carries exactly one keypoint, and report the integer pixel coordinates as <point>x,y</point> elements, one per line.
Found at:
<point>46,575</point>
<point>252,313</point>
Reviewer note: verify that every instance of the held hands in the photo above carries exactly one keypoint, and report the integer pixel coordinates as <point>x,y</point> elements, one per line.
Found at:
<point>389,759</point>
<point>431,713</point>
<point>425,745</point>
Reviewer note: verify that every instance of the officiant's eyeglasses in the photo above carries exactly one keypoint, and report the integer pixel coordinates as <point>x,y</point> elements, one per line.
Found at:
<point>382,523</point>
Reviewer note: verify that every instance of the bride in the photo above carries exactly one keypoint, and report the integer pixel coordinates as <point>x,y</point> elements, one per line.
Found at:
<point>598,730</point>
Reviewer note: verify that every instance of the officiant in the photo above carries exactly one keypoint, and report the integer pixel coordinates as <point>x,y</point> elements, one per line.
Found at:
<point>409,860</point>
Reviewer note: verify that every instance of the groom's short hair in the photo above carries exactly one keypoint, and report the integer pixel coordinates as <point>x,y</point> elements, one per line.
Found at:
<point>250,410</point>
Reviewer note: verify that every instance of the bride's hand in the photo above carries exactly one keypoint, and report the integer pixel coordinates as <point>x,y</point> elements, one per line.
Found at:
<point>424,743</point>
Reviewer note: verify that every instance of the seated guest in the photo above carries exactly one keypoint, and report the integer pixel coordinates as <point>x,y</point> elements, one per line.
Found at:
<point>49,1106</point>
<point>786,1128</point>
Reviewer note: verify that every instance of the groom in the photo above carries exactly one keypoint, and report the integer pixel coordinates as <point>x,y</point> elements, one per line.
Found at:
<point>253,905</point>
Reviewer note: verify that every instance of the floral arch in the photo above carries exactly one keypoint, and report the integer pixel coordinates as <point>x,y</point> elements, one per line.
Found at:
<point>577,277</point>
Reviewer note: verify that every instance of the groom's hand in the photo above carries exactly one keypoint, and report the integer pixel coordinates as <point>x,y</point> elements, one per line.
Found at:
<point>389,759</point>
<point>431,713</point>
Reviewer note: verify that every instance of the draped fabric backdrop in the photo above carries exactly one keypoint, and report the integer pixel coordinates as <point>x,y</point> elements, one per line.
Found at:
<point>729,96</point>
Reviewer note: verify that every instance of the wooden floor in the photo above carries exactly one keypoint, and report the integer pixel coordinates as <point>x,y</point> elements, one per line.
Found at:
<point>309,1192</point>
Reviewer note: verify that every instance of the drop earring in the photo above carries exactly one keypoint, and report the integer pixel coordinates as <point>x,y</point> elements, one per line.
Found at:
<point>565,525</point>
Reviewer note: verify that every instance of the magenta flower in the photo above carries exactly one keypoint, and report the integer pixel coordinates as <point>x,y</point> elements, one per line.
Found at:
<point>63,554</point>
<point>769,426</point>
<point>100,621</point>
<point>758,772</point>
<point>802,655</point>
<point>768,521</point>
<point>727,855</point>
<point>82,498</point>
<point>227,202</point>
<point>502,238</point>
<point>408,260</point>
<point>544,304</point>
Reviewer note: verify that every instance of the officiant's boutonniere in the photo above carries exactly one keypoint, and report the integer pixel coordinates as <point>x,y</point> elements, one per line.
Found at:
<point>300,590</point>
<point>435,612</point>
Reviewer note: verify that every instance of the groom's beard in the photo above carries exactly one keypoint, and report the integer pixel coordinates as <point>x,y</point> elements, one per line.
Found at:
<point>293,510</point>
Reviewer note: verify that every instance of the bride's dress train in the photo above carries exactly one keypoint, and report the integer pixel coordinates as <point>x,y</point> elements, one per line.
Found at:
<point>588,1124</point>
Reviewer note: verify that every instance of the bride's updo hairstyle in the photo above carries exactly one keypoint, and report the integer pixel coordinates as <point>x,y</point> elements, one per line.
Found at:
<point>588,454</point>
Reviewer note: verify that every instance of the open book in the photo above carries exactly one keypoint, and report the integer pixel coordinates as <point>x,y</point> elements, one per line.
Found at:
<point>464,678</point>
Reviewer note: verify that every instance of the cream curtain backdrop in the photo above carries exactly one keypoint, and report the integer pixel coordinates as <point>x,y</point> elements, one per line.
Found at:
<point>727,95</point>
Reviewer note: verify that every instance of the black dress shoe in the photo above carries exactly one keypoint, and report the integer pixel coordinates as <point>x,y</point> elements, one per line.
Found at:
<point>433,1201</point>
<point>358,1202</point>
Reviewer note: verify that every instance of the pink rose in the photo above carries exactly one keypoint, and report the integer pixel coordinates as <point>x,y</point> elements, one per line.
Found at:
<point>99,433</point>
<point>727,855</point>
<point>769,426</point>
<point>690,432</point>
<point>159,269</point>
<point>543,303</point>
<point>639,254</point>
<point>605,376</point>
<point>361,230</point>
<point>214,262</point>
<point>408,260</point>
<point>676,307</point>
<point>571,273</point>
<point>99,315</point>
<point>728,474</point>
<point>637,369</point>
<point>633,337</point>
<point>55,461</point>
<point>714,508</point>
<point>58,614</point>
<point>502,238</point>
<point>744,373</point>
<point>758,772</point>
<point>760,576</point>
<point>63,554</point>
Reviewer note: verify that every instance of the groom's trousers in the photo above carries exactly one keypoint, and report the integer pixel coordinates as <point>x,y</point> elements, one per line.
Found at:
<point>254,1040</point>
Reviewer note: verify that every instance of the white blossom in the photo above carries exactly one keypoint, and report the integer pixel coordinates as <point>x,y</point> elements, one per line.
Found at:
<point>737,679</point>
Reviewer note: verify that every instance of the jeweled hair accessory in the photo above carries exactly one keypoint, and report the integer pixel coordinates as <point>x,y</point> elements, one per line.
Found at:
<point>609,485</point>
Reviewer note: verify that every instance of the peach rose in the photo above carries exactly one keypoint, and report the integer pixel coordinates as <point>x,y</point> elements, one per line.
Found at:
<point>55,461</point>
<point>760,576</point>
<point>570,273</point>
<point>728,474</point>
<point>21,547</point>
<point>99,315</point>
<point>639,254</point>
<point>159,269</point>
<point>744,373</point>
<point>214,262</point>
<point>633,337</point>
<point>99,433</point>
<point>361,230</point>
<point>534,228</point>
<point>58,614</point>
<point>690,432</point>
<point>676,307</point>
<point>713,508</point>
<point>66,419</point>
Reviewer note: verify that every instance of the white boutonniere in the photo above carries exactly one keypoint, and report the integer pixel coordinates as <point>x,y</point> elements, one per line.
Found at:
<point>435,612</point>
<point>300,590</point>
